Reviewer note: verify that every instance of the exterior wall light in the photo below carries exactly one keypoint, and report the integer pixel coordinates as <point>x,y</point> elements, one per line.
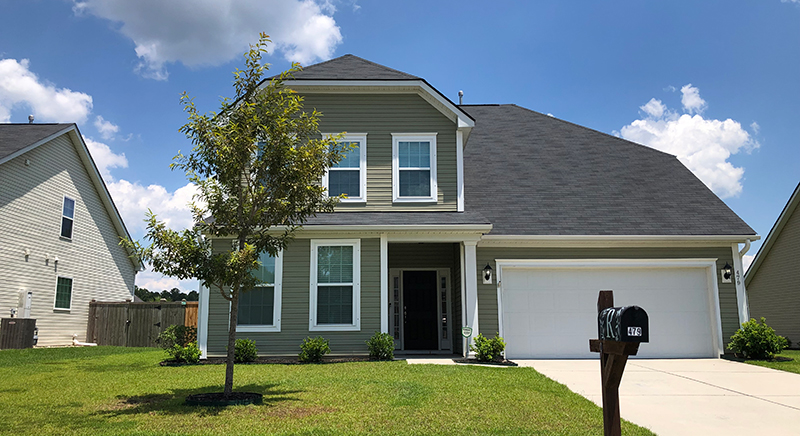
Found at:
<point>726,272</point>
<point>487,274</point>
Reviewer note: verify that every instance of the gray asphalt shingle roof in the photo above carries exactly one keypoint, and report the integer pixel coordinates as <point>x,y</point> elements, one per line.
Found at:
<point>532,174</point>
<point>15,137</point>
<point>398,218</point>
<point>350,67</point>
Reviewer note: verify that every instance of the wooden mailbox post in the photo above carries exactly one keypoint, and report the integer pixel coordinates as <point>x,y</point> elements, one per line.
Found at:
<point>620,330</point>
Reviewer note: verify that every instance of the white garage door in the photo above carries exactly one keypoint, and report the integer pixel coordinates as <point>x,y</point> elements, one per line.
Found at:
<point>552,312</point>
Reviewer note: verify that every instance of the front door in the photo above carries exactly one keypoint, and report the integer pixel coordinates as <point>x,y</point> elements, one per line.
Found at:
<point>421,330</point>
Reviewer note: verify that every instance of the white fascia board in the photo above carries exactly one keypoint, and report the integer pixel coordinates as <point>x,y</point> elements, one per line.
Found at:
<point>463,120</point>
<point>788,210</point>
<point>607,263</point>
<point>588,241</point>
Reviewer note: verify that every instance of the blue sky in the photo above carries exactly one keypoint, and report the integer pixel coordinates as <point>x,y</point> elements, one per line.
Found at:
<point>714,82</point>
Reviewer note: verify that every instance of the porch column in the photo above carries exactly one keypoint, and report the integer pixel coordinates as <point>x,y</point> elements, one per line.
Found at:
<point>738,280</point>
<point>384,283</point>
<point>471,291</point>
<point>202,322</point>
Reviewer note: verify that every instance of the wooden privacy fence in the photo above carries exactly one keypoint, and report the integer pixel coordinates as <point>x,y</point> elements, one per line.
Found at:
<point>136,324</point>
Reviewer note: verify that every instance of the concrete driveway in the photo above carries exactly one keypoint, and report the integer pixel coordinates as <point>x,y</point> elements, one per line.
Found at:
<point>691,396</point>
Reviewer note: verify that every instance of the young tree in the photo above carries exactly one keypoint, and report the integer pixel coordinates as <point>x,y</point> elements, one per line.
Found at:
<point>256,165</point>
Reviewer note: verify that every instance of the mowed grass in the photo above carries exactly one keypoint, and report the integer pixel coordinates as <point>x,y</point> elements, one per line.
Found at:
<point>116,391</point>
<point>790,366</point>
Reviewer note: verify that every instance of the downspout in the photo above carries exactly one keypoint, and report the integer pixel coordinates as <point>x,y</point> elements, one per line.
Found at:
<point>745,248</point>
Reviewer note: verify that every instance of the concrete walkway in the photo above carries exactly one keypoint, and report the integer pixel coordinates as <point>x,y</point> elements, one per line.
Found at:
<point>691,396</point>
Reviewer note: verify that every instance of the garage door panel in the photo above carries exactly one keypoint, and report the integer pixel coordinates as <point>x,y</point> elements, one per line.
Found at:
<point>560,307</point>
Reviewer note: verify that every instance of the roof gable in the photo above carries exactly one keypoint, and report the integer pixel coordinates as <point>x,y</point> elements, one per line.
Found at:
<point>350,67</point>
<point>15,138</point>
<point>45,133</point>
<point>533,174</point>
<point>786,214</point>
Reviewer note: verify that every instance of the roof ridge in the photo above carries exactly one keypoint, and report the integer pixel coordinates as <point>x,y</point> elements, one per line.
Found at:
<point>359,58</point>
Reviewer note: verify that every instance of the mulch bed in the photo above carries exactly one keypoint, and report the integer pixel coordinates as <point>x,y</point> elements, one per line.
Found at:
<point>738,358</point>
<point>271,361</point>
<point>478,362</point>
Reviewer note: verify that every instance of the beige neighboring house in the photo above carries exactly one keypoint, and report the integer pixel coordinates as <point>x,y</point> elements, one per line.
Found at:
<point>59,232</point>
<point>772,287</point>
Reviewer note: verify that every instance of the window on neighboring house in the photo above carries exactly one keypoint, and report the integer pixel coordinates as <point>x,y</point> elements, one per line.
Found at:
<point>67,217</point>
<point>260,308</point>
<point>349,176</point>
<point>63,293</point>
<point>335,285</point>
<point>414,167</point>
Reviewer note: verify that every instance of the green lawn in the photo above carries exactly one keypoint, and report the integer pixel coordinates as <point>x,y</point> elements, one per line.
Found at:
<point>791,366</point>
<point>111,391</point>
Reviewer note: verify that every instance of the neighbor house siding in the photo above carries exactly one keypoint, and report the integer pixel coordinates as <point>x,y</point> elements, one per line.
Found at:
<point>295,306</point>
<point>380,115</point>
<point>773,291</point>
<point>31,199</point>
<point>487,294</point>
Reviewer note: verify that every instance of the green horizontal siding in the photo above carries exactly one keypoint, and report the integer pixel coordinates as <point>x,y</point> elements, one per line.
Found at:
<point>295,306</point>
<point>380,115</point>
<point>487,294</point>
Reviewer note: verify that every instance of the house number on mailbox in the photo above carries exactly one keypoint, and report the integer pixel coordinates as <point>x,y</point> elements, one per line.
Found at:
<point>634,331</point>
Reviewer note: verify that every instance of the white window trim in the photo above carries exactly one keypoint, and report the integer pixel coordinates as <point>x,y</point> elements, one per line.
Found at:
<point>361,138</point>
<point>61,223</point>
<point>276,307</point>
<point>71,294</point>
<point>396,139</point>
<point>312,322</point>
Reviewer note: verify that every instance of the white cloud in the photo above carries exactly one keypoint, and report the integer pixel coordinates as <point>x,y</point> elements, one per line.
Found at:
<point>692,103</point>
<point>104,158</point>
<point>133,200</point>
<point>107,129</point>
<point>747,260</point>
<point>754,125</point>
<point>20,87</point>
<point>703,145</point>
<point>790,1</point>
<point>211,32</point>
<point>155,282</point>
<point>654,108</point>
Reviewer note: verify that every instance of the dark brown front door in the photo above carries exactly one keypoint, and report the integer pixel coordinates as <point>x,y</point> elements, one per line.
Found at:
<point>420,329</point>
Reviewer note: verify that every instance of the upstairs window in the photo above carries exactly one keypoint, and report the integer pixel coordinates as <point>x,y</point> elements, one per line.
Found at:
<point>349,176</point>
<point>414,168</point>
<point>260,307</point>
<point>67,217</point>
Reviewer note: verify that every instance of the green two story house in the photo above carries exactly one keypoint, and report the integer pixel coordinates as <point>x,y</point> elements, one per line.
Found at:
<point>492,217</point>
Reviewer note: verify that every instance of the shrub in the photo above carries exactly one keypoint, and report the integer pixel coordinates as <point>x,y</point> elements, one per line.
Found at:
<point>312,350</point>
<point>245,350</point>
<point>757,341</point>
<point>177,335</point>
<point>488,350</point>
<point>381,346</point>
<point>188,354</point>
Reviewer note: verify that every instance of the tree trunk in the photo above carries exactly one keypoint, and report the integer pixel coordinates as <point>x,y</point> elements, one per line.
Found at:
<point>231,342</point>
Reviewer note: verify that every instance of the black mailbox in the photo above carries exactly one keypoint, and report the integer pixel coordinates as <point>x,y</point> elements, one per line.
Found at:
<point>623,324</point>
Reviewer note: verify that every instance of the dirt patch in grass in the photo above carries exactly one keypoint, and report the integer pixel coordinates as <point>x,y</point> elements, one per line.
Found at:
<point>299,412</point>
